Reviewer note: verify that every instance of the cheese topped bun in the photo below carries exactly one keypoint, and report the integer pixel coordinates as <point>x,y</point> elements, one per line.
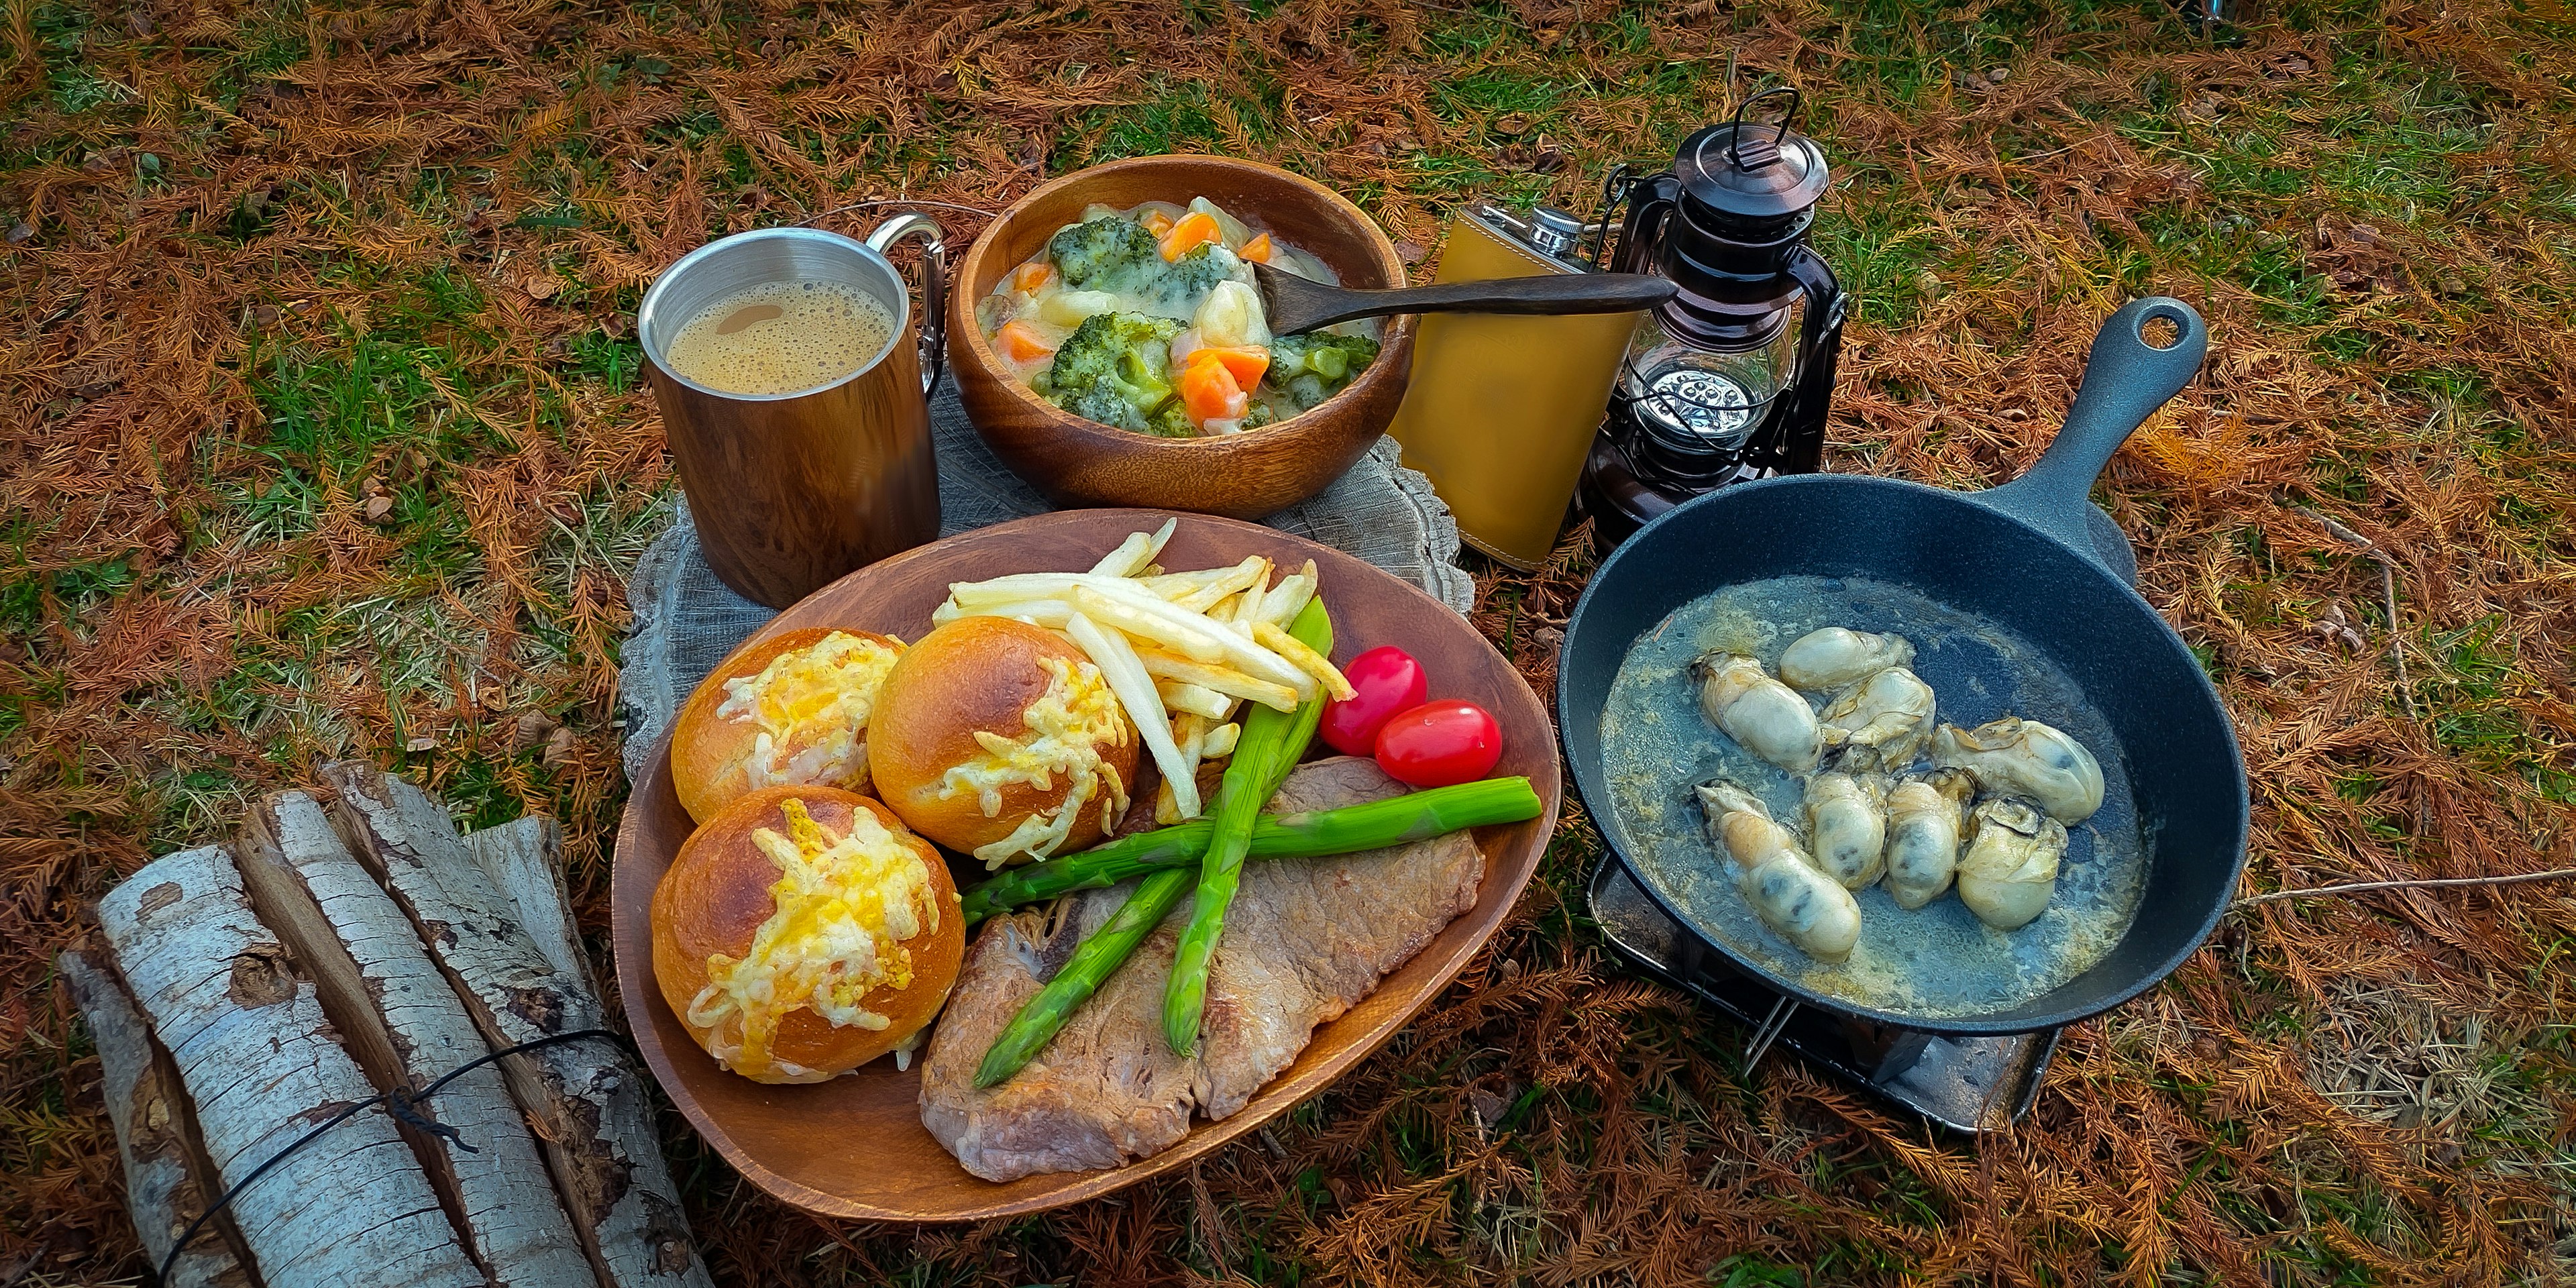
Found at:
<point>788,710</point>
<point>802,932</point>
<point>1001,739</point>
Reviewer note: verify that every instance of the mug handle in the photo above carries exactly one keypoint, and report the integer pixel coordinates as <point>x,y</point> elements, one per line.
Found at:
<point>934,280</point>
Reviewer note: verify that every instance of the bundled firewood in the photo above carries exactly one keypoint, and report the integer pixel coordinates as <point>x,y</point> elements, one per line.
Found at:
<point>270,1013</point>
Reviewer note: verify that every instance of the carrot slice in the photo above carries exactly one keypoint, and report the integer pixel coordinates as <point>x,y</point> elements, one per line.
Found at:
<point>1257,250</point>
<point>1209,391</point>
<point>1195,228</point>
<point>1157,223</point>
<point>1021,342</point>
<point>1244,362</point>
<point>1032,277</point>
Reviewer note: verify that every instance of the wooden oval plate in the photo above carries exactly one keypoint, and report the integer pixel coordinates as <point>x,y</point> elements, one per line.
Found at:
<point>854,1147</point>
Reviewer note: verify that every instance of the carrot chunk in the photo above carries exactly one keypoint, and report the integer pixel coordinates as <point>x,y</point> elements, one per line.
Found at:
<point>1209,391</point>
<point>1257,250</point>
<point>1032,277</point>
<point>1195,228</point>
<point>1244,362</point>
<point>1157,223</point>
<point>1021,342</point>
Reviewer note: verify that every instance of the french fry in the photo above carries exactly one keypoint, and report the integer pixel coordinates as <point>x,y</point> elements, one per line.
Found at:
<point>1314,663</point>
<point>1036,612</point>
<point>1165,665</point>
<point>1235,579</point>
<point>1124,561</point>
<point>1288,598</point>
<point>1018,586</point>
<point>1219,741</point>
<point>1188,732</point>
<point>1188,634</point>
<point>1174,585</point>
<point>1135,553</point>
<point>1127,678</point>
<point>1196,699</point>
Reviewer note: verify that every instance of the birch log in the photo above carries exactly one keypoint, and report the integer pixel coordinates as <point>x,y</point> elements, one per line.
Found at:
<point>166,1183</point>
<point>262,1067</point>
<point>525,858</point>
<point>407,1027</point>
<point>590,1102</point>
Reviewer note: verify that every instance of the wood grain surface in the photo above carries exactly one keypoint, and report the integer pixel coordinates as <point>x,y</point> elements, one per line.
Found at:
<point>1248,475</point>
<point>855,1147</point>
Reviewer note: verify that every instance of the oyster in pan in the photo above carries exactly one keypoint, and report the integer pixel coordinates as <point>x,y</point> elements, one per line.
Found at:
<point>2017,757</point>
<point>1761,714</point>
<point>1847,827</point>
<point>1880,723</point>
<point>2010,869</point>
<point>1828,659</point>
<point>1785,890</point>
<point>1923,821</point>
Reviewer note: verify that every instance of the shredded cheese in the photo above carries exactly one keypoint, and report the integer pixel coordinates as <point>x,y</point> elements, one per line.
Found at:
<point>1068,726</point>
<point>846,904</point>
<point>811,704</point>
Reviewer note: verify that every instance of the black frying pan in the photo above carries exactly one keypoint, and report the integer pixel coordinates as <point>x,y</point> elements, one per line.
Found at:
<point>2039,563</point>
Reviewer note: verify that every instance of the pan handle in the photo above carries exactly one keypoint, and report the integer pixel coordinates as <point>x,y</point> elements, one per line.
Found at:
<point>2125,380</point>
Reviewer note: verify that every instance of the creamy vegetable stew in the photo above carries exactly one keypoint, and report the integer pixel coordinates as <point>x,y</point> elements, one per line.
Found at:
<point>1148,320</point>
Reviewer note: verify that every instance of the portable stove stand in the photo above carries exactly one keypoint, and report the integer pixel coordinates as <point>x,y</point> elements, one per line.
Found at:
<point>1967,1084</point>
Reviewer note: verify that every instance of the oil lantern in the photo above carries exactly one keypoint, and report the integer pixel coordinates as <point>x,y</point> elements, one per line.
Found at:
<point>1730,380</point>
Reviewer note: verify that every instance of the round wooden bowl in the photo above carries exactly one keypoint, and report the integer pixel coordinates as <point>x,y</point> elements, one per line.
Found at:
<point>1077,462</point>
<point>854,1147</point>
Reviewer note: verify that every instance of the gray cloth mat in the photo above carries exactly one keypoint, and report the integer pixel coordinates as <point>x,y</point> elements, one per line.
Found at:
<point>686,620</point>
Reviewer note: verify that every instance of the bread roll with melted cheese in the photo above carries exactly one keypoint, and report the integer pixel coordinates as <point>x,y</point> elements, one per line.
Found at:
<point>789,710</point>
<point>803,932</point>
<point>1000,739</point>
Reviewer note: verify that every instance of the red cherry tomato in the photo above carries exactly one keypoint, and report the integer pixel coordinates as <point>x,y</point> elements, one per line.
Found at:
<point>1386,680</point>
<point>1439,744</point>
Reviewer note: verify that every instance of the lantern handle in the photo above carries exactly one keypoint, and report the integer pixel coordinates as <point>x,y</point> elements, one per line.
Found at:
<point>1735,139</point>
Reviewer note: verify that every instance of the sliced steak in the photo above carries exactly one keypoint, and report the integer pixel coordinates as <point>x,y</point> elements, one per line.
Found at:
<point>1305,940</point>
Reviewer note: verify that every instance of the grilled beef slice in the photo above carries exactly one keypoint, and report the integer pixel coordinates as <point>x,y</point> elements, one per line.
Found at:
<point>1304,940</point>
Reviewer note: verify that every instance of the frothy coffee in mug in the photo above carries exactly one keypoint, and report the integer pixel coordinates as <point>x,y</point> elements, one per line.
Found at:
<point>780,337</point>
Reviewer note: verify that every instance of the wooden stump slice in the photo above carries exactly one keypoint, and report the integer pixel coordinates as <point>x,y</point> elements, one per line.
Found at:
<point>407,1027</point>
<point>167,1180</point>
<point>590,1101</point>
<point>263,1066</point>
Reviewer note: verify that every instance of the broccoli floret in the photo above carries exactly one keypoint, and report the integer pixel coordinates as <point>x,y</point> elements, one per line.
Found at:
<point>1171,420</point>
<point>1103,251</point>
<point>1112,370</point>
<point>1102,403</point>
<point>1312,367</point>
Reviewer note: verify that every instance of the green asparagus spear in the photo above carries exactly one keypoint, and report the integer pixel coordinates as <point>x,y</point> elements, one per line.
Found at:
<point>1098,957</point>
<point>1094,960</point>
<point>1397,820</point>
<point>1248,785</point>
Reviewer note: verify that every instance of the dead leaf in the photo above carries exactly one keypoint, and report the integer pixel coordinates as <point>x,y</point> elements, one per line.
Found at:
<point>560,746</point>
<point>531,729</point>
<point>380,509</point>
<point>544,288</point>
<point>421,742</point>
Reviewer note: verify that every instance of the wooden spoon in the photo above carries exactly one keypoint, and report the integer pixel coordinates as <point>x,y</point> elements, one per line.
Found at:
<point>1295,304</point>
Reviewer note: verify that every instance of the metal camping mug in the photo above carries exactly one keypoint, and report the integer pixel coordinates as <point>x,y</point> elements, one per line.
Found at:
<point>790,491</point>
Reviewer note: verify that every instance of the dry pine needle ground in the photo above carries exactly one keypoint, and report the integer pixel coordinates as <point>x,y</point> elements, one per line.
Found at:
<point>320,435</point>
